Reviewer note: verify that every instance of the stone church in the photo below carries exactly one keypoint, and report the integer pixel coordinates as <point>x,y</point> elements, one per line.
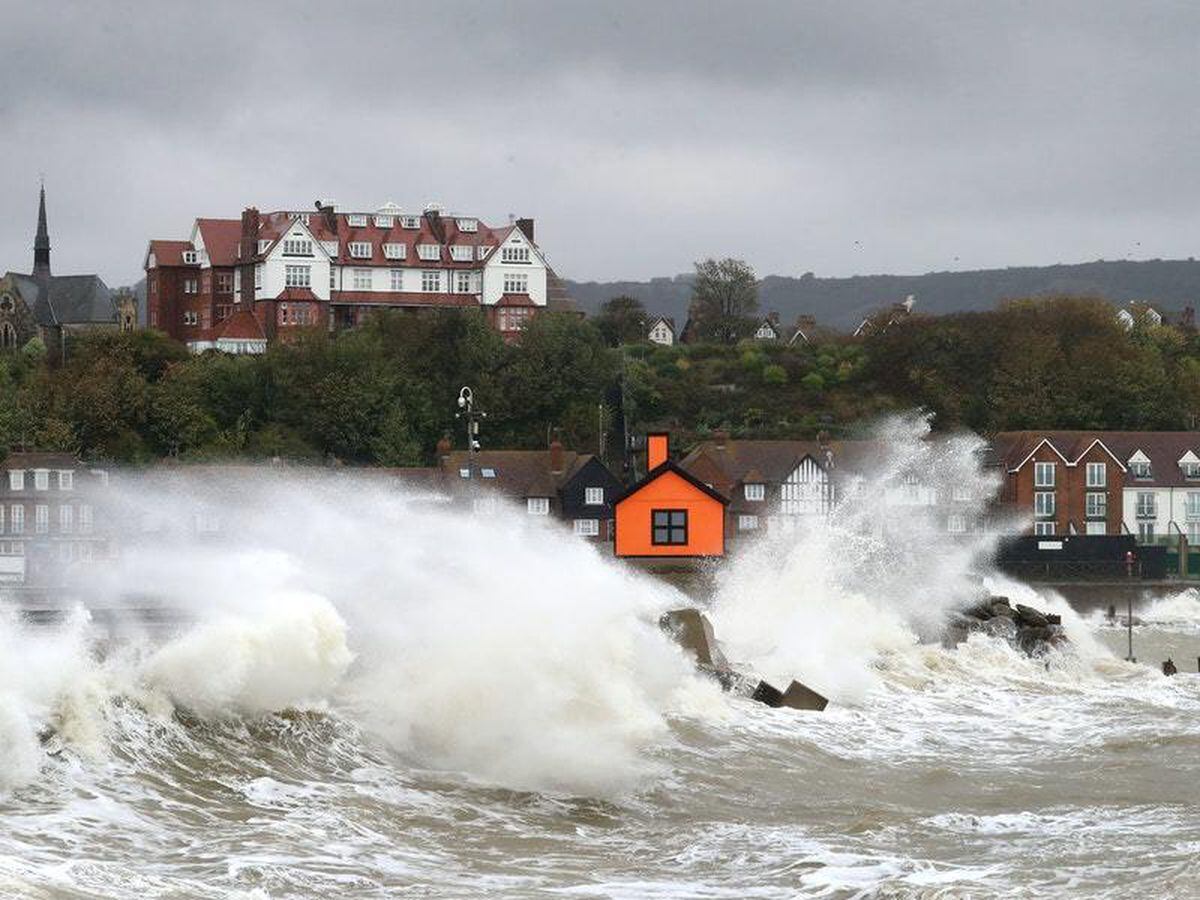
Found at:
<point>50,306</point>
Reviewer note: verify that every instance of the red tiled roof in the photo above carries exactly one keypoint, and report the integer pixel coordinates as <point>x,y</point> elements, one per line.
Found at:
<point>169,253</point>
<point>241,326</point>
<point>1164,449</point>
<point>221,238</point>
<point>515,300</point>
<point>297,294</point>
<point>272,225</point>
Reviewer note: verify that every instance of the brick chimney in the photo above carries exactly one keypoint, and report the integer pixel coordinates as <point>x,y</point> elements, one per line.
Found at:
<point>526,226</point>
<point>657,450</point>
<point>556,457</point>
<point>433,215</point>
<point>443,450</point>
<point>720,438</point>
<point>328,214</point>
<point>247,250</point>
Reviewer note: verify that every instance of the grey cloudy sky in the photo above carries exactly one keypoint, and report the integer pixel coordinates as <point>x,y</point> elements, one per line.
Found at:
<point>841,138</point>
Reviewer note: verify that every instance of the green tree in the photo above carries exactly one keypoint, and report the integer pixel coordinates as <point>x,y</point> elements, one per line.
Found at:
<point>724,299</point>
<point>622,320</point>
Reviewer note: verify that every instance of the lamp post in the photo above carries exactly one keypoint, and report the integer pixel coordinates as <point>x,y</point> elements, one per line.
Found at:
<point>466,411</point>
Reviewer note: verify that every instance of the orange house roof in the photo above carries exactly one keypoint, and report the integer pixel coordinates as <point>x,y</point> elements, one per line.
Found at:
<point>670,489</point>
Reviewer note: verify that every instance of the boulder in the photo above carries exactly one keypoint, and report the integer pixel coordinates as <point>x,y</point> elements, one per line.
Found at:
<point>1028,616</point>
<point>1001,607</point>
<point>694,633</point>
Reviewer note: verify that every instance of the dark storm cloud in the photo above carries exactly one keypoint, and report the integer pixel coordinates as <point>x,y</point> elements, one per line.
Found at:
<point>838,138</point>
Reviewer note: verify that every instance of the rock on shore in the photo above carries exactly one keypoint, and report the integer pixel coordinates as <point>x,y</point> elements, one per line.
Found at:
<point>1029,630</point>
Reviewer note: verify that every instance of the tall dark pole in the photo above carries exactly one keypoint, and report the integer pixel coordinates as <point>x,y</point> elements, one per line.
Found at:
<point>466,406</point>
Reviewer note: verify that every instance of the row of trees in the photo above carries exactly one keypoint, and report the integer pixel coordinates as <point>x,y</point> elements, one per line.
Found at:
<point>384,394</point>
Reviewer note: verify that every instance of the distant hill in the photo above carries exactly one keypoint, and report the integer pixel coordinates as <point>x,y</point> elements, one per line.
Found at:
<point>843,302</point>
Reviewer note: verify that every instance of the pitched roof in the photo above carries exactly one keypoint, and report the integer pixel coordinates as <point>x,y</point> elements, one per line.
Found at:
<point>241,326</point>
<point>1164,449</point>
<point>170,253</point>
<point>67,299</point>
<point>667,467</point>
<point>221,238</point>
<point>518,473</point>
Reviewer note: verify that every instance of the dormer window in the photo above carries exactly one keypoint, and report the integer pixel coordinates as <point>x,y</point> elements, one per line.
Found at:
<point>190,258</point>
<point>360,249</point>
<point>464,473</point>
<point>410,221</point>
<point>1191,471</point>
<point>384,221</point>
<point>429,251</point>
<point>514,255</point>
<point>331,247</point>
<point>484,250</point>
<point>263,245</point>
<point>468,224</point>
<point>756,492</point>
<point>297,247</point>
<point>394,251</point>
<point>356,220</point>
<point>488,473</point>
<point>1140,469</point>
<point>462,254</point>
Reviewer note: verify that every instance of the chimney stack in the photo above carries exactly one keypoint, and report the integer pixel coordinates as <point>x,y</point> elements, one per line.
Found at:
<point>526,226</point>
<point>443,449</point>
<point>657,450</point>
<point>556,457</point>
<point>720,438</point>
<point>247,251</point>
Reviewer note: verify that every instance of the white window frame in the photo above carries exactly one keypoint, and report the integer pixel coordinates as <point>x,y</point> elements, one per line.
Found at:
<point>515,255</point>
<point>191,286</point>
<point>756,492</point>
<point>956,523</point>
<point>587,527</point>
<point>1096,505</point>
<point>1097,475</point>
<point>538,506</point>
<point>1146,505</point>
<point>66,518</point>
<point>41,479</point>
<point>384,221</point>
<point>429,252</point>
<point>593,496</point>
<point>395,251</point>
<point>468,224</point>
<point>17,517</point>
<point>16,479</point>
<point>431,281</point>
<point>258,272</point>
<point>1096,526</point>
<point>190,258</point>
<point>396,279</point>
<point>330,247</point>
<point>294,246</point>
<point>359,249</point>
<point>1141,470</point>
<point>483,250</point>
<point>461,253</point>
<point>464,282</point>
<point>1191,505</point>
<point>66,480</point>
<point>1146,530</point>
<point>356,220</point>
<point>747,523</point>
<point>362,280</point>
<point>410,221</point>
<point>1044,504</point>
<point>263,244</point>
<point>516,283</point>
<point>1191,471</point>
<point>297,276</point>
<point>1044,528</point>
<point>41,519</point>
<point>1044,474</point>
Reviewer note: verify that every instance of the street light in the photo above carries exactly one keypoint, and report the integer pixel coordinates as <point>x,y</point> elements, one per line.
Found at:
<point>466,406</point>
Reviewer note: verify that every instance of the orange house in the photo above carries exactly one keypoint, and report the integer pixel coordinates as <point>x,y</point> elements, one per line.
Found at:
<point>669,512</point>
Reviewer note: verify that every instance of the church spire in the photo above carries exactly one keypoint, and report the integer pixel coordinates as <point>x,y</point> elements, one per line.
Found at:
<point>41,243</point>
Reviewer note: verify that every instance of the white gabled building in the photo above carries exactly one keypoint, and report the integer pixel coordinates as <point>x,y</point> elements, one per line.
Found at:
<point>661,330</point>
<point>330,269</point>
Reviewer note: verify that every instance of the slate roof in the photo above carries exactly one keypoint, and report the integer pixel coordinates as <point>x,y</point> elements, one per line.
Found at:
<point>519,473</point>
<point>69,300</point>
